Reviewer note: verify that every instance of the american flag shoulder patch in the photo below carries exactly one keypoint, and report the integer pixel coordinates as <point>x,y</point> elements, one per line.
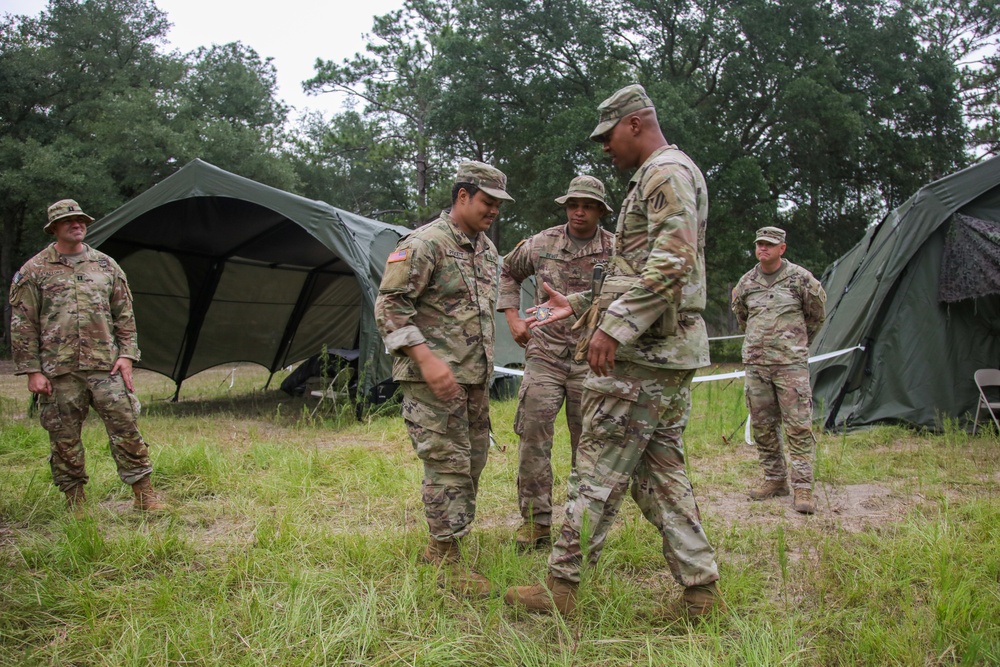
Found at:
<point>399,255</point>
<point>17,277</point>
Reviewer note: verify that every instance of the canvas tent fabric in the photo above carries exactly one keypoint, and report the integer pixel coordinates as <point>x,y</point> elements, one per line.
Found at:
<point>224,269</point>
<point>920,353</point>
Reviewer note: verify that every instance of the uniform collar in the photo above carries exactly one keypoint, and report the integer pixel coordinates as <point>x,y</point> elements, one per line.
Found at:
<point>595,244</point>
<point>639,172</point>
<point>52,255</point>
<point>461,238</point>
<point>778,275</point>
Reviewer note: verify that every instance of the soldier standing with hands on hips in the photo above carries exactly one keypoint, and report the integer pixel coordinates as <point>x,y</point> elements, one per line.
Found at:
<point>781,307</point>
<point>73,334</point>
<point>435,311</point>
<point>648,341</point>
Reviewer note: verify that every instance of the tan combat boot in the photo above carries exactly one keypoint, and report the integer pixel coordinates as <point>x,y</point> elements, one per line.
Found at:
<point>769,489</point>
<point>75,499</point>
<point>803,502</point>
<point>438,552</point>
<point>696,602</point>
<point>533,536</point>
<point>555,595</point>
<point>145,497</point>
<point>463,579</point>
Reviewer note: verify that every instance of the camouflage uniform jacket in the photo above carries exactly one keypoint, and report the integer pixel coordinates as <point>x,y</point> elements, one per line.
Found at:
<point>780,320</point>
<point>552,256</point>
<point>440,288</point>
<point>71,316</point>
<point>661,236</point>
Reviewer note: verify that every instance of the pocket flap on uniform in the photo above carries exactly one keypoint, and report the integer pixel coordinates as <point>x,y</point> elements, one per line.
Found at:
<point>624,388</point>
<point>424,415</point>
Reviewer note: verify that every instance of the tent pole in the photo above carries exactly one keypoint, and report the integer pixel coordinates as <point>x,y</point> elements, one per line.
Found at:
<point>199,309</point>
<point>298,312</point>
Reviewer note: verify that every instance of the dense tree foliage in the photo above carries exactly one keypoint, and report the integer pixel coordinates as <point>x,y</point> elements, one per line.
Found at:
<point>817,116</point>
<point>91,107</point>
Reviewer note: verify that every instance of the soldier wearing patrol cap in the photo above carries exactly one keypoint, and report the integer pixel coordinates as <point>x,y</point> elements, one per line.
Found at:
<point>435,311</point>
<point>563,256</point>
<point>781,307</point>
<point>648,341</point>
<point>73,334</point>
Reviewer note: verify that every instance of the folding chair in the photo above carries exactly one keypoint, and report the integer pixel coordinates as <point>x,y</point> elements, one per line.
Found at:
<point>987,378</point>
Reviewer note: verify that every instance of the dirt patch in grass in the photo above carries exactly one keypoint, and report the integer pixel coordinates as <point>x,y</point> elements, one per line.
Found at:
<point>851,507</point>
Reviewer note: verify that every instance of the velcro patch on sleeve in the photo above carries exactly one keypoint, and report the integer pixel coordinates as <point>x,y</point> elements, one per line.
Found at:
<point>399,256</point>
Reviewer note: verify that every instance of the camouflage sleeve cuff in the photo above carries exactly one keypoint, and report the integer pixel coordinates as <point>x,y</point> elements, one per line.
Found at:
<point>580,302</point>
<point>404,337</point>
<point>510,296</point>
<point>26,371</point>
<point>617,328</point>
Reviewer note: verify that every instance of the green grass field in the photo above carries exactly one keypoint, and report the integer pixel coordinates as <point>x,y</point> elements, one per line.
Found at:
<point>294,534</point>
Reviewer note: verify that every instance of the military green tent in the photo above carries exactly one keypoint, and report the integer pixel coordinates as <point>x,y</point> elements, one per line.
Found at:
<point>225,269</point>
<point>921,294</point>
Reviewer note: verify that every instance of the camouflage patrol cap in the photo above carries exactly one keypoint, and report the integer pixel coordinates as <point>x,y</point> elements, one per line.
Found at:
<point>585,187</point>
<point>65,208</point>
<point>489,179</point>
<point>627,100</point>
<point>772,235</point>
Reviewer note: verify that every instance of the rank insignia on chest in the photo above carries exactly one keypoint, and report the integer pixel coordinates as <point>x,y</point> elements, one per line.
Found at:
<point>79,277</point>
<point>399,256</point>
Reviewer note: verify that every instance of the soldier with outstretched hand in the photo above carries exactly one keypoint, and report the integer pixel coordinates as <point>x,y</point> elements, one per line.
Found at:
<point>648,341</point>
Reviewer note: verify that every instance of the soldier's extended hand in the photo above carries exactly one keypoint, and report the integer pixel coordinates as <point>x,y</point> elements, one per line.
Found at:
<point>124,365</point>
<point>601,355</point>
<point>39,384</point>
<point>553,310</point>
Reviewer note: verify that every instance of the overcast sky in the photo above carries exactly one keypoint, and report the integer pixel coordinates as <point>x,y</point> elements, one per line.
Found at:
<point>293,32</point>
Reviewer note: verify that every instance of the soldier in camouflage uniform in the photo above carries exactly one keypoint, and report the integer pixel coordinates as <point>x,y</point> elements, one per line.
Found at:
<point>435,311</point>
<point>649,339</point>
<point>563,256</point>
<point>781,306</point>
<point>73,334</point>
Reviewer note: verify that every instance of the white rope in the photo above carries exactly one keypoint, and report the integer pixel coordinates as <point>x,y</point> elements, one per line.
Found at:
<point>723,376</point>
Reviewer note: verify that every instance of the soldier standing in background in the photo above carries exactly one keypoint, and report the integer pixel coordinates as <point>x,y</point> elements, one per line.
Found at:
<point>781,307</point>
<point>563,256</point>
<point>649,339</point>
<point>73,334</point>
<point>435,311</point>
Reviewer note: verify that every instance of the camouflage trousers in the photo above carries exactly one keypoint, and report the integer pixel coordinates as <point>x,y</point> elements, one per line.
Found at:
<point>452,438</point>
<point>547,383</point>
<point>63,412</point>
<point>779,398</point>
<point>633,423</point>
